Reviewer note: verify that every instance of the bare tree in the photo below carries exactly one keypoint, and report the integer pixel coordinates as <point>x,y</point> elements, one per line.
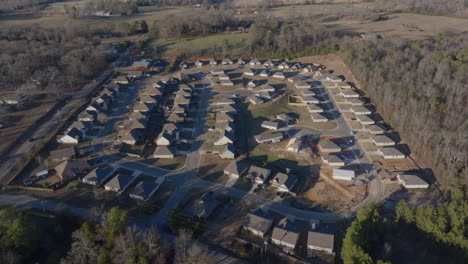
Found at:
<point>189,251</point>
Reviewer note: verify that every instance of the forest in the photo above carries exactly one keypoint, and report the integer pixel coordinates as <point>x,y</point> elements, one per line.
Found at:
<point>419,87</point>
<point>432,7</point>
<point>34,59</point>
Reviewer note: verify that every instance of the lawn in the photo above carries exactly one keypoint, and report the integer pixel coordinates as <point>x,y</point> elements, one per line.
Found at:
<point>175,163</point>
<point>212,169</point>
<point>199,45</point>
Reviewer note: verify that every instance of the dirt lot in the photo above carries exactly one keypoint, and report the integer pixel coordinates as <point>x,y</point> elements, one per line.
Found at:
<point>18,121</point>
<point>212,169</point>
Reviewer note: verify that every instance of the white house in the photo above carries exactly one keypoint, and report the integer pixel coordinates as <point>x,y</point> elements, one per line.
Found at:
<point>412,181</point>
<point>320,242</point>
<point>270,125</point>
<point>293,145</point>
<point>383,140</point>
<point>258,222</point>
<point>361,110</point>
<point>344,175</point>
<point>120,182</point>
<point>328,146</point>
<point>333,160</point>
<point>349,94</point>
<point>285,235</point>
<point>318,117</point>
<point>365,120</point>
<point>391,153</point>
<point>284,182</point>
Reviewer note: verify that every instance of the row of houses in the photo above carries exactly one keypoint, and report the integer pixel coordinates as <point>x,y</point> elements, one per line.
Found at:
<point>171,131</point>
<point>285,233</point>
<point>91,117</point>
<point>225,113</point>
<point>253,62</point>
<point>284,182</point>
<point>119,181</point>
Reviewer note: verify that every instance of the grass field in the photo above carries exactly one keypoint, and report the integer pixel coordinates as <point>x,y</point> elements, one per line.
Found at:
<point>199,45</point>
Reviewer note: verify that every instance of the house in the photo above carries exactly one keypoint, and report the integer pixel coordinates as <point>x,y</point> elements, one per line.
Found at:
<point>412,181</point>
<point>228,108</point>
<point>296,67</point>
<point>87,116</point>
<point>319,117</point>
<point>144,190</point>
<point>294,144</point>
<point>252,84</point>
<point>383,140</point>
<point>223,101</point>
<point>391,153</point>
<point>220,127</point>
<point>254,100</point>
<point>345,175</point>
<point>249,72</point>
<point>285,235</point>
<point>334,78</point>
<point>344,85</point>
<point>72,136</point>
<point>375,129</point>
<point>270,125</point>
<point>266,95</point>
<point>213,62</point>
<point>145,98</point>
<point>355,101</point>
<point>121,80</point>
<point>333,160</point>
<point>283,65</point>
<point>269,137</point>
<point>284,182</point>
<point>349,94</point>
<point>302,85</point>
<point>328,146</point>
<point>98,176</point>
<point>163,152</point>
<point>63,154</point>
<point>268,88</point>
<point>279,75</point>
<point>222,117</point>
<point>315,108</point>
<point>360,110</point>
<point>202,208</point>
<point>329,84</point>
<point>269,64</point>
<point>365,120</point>
<point>224,151</point>
<point>133,123</point>
<point>240,62</point>
<point>258,222</point>
<point>310,99</point>
<point>176,118</point>
<point>183,65</point>
<point>258,175</point>
<point>223,77</point>
<point>120,182</point>
<point>224,138</point>
<point>227,83</point>
<point>236,168</point>
<point>139,116</point>
<point>69,168</point>
<point>255,62</point>
<point>265,73</point>
<point>141,107</point>
<point>164,138</point>
<point>226,61</point>
<point>141,65</point>
<point>320,242</point>
<point>285,118</point>
<point>170,127</point>
<point>295,79</point>
<point>130,137</point>
<point>199,63</point>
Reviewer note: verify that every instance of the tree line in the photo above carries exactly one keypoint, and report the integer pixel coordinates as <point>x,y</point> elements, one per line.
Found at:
<point>419,87</point>
<point>35,59</point>
<point>433,7</point>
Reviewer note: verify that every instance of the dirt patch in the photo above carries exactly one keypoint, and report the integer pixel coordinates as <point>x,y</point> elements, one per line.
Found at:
<point>212,169</point>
